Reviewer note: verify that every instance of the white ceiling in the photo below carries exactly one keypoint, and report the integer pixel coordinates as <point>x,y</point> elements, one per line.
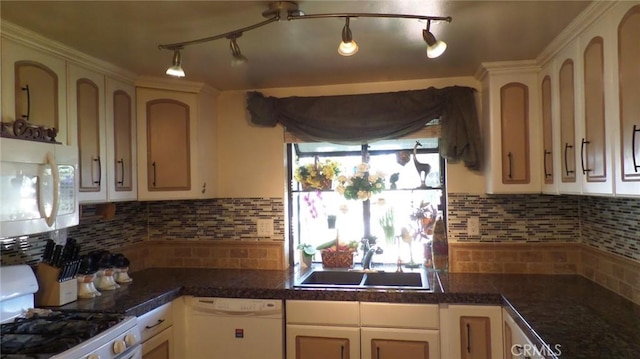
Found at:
<point>300,52</point>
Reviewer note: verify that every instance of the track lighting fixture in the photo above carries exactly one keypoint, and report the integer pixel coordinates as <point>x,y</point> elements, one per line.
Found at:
<point>347,47</point>
<point>238,57</point>
<point>435,47</point>
<point>289,10</point>
<point>176,67</point>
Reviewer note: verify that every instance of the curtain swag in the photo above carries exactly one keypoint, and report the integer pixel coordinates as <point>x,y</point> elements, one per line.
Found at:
<point>355,119</point>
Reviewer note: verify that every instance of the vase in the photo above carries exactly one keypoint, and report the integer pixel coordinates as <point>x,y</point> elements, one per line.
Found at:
<point>305,260</point>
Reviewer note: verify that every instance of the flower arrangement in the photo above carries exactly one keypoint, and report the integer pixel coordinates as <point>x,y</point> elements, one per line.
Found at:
<point>362,185</point>
<point>318,175</point>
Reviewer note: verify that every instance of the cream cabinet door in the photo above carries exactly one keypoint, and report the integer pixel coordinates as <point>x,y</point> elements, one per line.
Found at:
<point>34,88</point>
<point>511,128</point>
<point>626,128</point>
<point>87,123</point>
<point>122,179</point>
<point>471,331</point>
<point>567,73</point>
<point>596,109</point>
<point>322,342</point>
<point>175,144</point>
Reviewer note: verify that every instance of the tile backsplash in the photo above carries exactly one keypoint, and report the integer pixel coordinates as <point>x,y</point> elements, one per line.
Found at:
<point>609,224</point>
<point>136,222</point>
<point>514,218</point>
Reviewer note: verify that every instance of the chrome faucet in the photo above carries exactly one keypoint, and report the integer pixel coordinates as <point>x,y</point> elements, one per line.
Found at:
<point>369,251</point>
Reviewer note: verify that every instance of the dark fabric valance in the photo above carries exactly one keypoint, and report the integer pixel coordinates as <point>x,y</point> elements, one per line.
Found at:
<point>371,117</point>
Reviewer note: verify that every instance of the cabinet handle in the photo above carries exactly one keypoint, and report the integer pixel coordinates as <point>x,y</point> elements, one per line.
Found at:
<point>510,155</point>
<point>567,146</point>
<point>97,159</point>
<point>377,352</point>
<point>121,162</point>
<point>633,148</point>
<point>547,174</point>
<point>342,352</point>
<point>154,173</point>
<point>26,89</point>
<point>582,146</point>
<point>160,321</point>
<point>468,338</point>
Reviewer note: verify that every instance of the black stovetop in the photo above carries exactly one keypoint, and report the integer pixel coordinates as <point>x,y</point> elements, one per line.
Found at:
<point>43,336</point>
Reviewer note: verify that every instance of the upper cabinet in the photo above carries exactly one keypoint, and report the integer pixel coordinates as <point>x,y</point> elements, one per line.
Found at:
<point>596,105</point>
<point>626,107</point>
<point>176,128</point>
<point>566,75</point>
<point>34,87</point>
<point>87,121</point>
<point>548,87</point>
<point>122,174</point>
<point>511,126</point>
<point>102,117</point>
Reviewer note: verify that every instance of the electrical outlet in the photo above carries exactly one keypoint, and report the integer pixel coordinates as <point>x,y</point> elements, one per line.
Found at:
<point>473,226</point>
<point>264,227</point>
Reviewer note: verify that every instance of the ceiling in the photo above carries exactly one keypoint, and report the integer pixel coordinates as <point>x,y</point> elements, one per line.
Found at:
<point>300,52</point>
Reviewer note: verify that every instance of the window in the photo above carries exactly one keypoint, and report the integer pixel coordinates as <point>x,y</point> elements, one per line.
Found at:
<point>408,210</point>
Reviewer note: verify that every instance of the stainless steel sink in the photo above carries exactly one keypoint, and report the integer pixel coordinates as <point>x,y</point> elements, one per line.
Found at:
<point>363,279</point>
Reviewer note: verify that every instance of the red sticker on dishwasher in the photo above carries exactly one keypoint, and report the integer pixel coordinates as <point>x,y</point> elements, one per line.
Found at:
<point>239,333</point>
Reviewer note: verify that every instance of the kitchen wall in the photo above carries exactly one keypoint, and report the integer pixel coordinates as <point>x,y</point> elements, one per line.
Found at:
<point>252,170</point>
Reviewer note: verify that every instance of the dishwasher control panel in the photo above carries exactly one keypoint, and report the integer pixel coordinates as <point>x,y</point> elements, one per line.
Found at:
<point>240,305</point>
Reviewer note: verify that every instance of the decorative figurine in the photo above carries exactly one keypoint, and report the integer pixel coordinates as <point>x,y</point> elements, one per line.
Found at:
<point>422,168</point>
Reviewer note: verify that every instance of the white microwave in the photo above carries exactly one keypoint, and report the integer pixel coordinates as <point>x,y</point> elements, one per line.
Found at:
<point>38,187</point>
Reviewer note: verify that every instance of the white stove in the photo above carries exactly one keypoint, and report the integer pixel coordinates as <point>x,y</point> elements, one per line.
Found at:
<point>45,334</point>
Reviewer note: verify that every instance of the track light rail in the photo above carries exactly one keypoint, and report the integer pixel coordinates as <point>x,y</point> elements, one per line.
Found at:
<point>277,11</point>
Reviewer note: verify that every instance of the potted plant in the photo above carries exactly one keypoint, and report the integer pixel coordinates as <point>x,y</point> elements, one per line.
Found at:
<point>318,175</point>
<point>307,252</point>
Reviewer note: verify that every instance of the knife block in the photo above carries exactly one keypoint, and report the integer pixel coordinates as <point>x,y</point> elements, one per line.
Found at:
<point>51,292</point>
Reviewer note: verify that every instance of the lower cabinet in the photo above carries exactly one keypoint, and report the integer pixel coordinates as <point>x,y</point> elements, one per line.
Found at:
<point>394,330</point>
<point>343,330</point>
<point>518,346</point>
<point>323,330</point>
<point>471,331</point>
<point>156,328</point>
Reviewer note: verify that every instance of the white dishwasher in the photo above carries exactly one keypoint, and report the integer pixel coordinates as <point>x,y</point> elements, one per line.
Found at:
<point>233,328</point>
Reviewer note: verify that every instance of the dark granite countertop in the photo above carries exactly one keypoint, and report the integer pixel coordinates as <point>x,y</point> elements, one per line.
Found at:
<point>587,320</point>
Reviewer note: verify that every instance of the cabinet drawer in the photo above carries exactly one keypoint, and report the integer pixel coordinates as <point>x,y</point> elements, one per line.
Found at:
<point>155,321</point>
<point>386,315</point>
<point>323,312</point>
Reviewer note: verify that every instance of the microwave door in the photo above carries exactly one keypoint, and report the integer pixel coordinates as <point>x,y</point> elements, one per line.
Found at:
<point>20,184</point>
<point>48,190</point>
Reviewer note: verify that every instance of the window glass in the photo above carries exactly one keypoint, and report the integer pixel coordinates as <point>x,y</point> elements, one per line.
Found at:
<point>401,217</point>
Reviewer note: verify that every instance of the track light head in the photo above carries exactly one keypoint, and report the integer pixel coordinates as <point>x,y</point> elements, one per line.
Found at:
<point>238,57</point>
<point>176,65</point>
<point>347,47</point>
<point>435,47</point>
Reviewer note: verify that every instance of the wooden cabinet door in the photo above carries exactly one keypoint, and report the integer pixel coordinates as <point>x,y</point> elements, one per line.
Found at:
<point>121,141</point>
<point>87,123</point>
<point>34,88</point>
<point>593,147</point>
<point>514,117</point>
<point>547,131</point>
<point>322,348</point>
<point>628,78</point>
<point>475,334</point>
<point>168,145</point>
<point>322,342</point>
<point>36,91</point>
<point>406,349</point>
<point>567,122</point>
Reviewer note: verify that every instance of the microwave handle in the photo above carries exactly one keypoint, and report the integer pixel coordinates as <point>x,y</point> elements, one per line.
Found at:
<point>56,191</point>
